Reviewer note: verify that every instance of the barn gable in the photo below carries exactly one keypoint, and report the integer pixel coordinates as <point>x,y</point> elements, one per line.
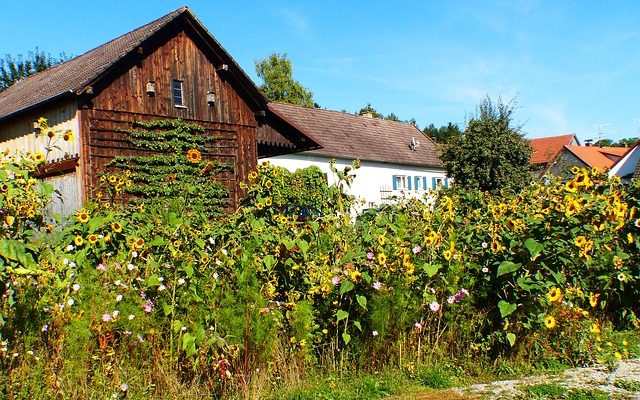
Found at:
<point>169,68</point>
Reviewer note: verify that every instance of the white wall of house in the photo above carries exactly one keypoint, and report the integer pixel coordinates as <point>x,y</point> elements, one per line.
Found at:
<point>374,181</point>
<point>627,165</point>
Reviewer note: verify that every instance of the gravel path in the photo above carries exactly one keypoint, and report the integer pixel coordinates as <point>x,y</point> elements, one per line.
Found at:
<point>599,377</point>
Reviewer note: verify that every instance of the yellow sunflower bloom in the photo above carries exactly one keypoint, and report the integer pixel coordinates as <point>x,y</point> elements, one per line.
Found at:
<point>571,187</point>
<point>38,157</point>
<point>448,255</point>
<point>382,259</point>
<point>555,295</point>
<point>68,136</point>
<point>194,156</point>
<point>92,238</point>
<point>116,227</point>
<point>78,240</point>
<point>382,240</point>
<point>595,328</point>
<point>82,216</point>
<point>550,322</point>
<point>593,299</point>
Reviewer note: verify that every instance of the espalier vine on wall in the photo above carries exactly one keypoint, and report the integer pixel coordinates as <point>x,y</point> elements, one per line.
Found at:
<point>173,166</point>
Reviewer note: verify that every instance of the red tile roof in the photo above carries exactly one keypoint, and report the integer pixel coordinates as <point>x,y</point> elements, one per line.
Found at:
<point>351,136</point>
<point>596,156</point>
<point>546,149</point>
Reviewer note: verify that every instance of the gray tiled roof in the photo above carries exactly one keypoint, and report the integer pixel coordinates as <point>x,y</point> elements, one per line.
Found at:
<point>351,136</point>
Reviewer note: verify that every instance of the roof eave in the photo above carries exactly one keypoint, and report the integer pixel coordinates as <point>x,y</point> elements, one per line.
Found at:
<point>44,102</point>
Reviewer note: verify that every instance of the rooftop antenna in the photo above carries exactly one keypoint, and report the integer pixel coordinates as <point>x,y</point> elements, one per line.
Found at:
<point>600,133</point>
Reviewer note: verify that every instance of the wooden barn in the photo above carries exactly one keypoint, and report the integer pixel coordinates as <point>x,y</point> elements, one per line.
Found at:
<point>170,68</point>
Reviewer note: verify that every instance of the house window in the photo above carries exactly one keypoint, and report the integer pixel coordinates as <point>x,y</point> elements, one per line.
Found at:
<point>437,182</point>
<point>401,182</point>
<point>178,99</point>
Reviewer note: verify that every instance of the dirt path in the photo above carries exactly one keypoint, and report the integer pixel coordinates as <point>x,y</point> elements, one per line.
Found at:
<point>599,377</point>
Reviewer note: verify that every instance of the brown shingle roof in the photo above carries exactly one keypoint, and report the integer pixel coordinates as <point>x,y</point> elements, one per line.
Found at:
<point>596,156</point>
<point>546,149</point>
<point>74,75</point>
<point>351,136</point>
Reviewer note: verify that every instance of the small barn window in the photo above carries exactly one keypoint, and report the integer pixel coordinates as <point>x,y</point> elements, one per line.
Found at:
<point>178,98</point>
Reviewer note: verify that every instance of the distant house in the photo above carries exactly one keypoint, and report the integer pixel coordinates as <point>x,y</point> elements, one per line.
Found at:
<point>546,150</point>
<point>627,167</point>
<point>397,159</point>
<point>169,68</point>
<point>556,155</point>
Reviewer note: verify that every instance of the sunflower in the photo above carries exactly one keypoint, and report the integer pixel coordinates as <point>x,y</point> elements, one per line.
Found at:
<point>259,206</point>
<point>448,255</point>
<point>116,227</point>
<point>268,184</point>
<point>580,241</point>
<point>512,224</point>
<point>571,187</point>
<point>572,208</point>
<point>38,157</point>
<point>139,243</point>
<point>575,170</point>
<point>555,295</point>
<point>68,136</point>
<point>381,240</point>
<point>9,219</point>
<point>253,175</point>
<point>496,247</point>
<point>194,156</point>
<point>78,240</point>
<point>112,179</point>
<point>268,202</point>
<point>593,299</point>
<point>595,328</point>
<point>92,238</point>
<point>382,259</point>
<point>82,216</point>
<point>550,322</point>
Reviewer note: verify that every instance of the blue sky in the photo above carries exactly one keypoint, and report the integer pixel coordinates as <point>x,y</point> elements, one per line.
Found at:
<point>573,66</point>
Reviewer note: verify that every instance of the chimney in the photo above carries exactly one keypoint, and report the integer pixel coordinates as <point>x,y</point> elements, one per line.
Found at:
<point>367,115</point>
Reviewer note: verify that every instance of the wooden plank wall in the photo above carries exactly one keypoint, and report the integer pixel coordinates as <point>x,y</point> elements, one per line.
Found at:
<point>107,140</point>
<point>174,55</point>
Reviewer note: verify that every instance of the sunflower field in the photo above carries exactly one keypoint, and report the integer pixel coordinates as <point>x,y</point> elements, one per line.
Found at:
<point>153,300</point>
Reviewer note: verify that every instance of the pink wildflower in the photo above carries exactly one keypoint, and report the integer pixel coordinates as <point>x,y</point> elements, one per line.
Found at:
<point>148,306</point>
<point>434,306</point>
<point>101,267</point>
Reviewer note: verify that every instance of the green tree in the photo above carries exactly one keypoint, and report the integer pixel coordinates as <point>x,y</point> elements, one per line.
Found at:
<point>276,72</point>
<point>444,134</point>
<point>13,69</point>
<point>370,110</point>
<point>491,154</point>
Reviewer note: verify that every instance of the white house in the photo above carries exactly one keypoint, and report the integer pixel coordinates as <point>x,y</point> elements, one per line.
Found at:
<point>396,158</point>
<point>627,167</point>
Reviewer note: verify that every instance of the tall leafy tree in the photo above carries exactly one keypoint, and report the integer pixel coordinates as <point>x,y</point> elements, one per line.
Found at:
<point>276,72</point>
<point>491,154</point>
<point>444,134</point>
<point>13,69</point>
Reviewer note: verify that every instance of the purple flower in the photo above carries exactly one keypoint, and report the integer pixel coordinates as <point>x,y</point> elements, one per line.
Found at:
<point>106,317</point>
<point>377,285</point>
<point>101,267</point>
<point>434,306</point>
<point>124,387</point>
<point>148,306</point>
<point>335,280</point>
<point>370,255</point>
<point>416,249</point>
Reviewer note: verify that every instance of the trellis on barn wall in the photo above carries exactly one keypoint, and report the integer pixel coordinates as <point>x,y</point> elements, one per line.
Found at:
<point>99,94</point>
